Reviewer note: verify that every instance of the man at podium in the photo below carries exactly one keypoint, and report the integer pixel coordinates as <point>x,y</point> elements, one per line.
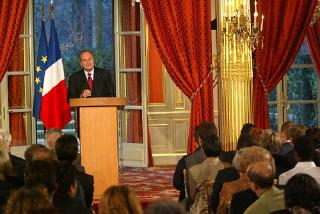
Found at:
<point>90,81</point>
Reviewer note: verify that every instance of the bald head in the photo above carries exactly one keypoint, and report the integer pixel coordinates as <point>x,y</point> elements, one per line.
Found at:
<point>51,137</point>
<point>261,173</point>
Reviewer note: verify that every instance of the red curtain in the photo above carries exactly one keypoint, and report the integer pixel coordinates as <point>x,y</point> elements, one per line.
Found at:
<point>181,30</point>
<point>313,41</point>
<point>286,24</point>
<point>11,18</point>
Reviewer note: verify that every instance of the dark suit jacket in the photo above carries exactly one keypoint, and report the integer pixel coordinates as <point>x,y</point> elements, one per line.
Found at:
<point>284,162</point>
<point>178,178</point>
<point>19,166</point>
<point>102,84</point>
<point>224,175</point>
<point>5,188</point>
<point>69,206</point>
<point>86,182</point>
<point>241,201</point>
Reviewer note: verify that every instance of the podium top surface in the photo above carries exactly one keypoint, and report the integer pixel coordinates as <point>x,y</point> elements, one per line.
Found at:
<point>119,102</point>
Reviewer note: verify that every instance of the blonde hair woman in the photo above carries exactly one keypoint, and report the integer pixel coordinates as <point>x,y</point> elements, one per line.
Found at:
<point>119,200</point>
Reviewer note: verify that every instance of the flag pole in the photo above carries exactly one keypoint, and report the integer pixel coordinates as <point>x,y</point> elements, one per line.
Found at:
<point>42,11</point>
<point>51,9</point>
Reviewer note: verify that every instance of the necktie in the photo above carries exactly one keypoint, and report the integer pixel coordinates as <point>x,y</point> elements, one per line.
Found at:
<point>90,81</point>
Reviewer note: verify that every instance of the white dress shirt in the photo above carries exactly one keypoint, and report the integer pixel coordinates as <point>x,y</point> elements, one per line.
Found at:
<point>92,73</point>
<point>309,168</point>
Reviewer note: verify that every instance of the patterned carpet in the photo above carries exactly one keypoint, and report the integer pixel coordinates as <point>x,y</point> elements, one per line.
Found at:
<point>150,184</point>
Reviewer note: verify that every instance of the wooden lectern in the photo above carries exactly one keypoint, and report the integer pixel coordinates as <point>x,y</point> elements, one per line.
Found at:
<point>98,129</point>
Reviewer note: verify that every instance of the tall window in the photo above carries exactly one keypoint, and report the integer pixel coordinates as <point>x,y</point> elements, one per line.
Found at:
<point>80,25</point>
<point>297,96</point>
<point>130,75</point>
<point>16,90</point>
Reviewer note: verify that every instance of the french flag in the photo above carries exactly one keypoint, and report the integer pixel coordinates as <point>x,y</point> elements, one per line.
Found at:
<point>55,109</point>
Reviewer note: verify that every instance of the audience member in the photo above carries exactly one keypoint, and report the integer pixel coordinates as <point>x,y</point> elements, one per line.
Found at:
<point>178,176</point>
<point>228,174</point>
<point>41,174</point>
<point>226,157</point>
<point>246,128</point>
<point>119,200</point>
<point>286,154</point>
<point>255,134</point>
<point>304,148</point>
<point>18,164</point>
<point>6,185</point>
<point>243,159</point>
<point>245,141</point>
<point>203,130</point>
<point>64,197</point>
<point>29,200</point>
<point>241,201</point>
<point>296,131</point>
<point>165,206</point>
<point>315,134</point>
<point>206,171</point>
<point>270,141</point>
<point>67,150</point>
<point>51,136</point>
<point>302,195</point>
<point>37,152</point>
<point>261,179</point>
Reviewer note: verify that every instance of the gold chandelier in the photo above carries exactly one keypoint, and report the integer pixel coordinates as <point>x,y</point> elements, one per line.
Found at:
<point>316,14</point>
<point>237,25</point>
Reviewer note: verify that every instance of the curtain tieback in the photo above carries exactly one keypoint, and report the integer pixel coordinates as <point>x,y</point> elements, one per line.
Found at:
<point>262,83</point>
<point>215,81</point>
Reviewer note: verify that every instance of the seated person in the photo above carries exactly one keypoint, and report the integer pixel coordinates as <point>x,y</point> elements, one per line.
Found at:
<point>243,159</point>
<point>41,174</point>
<point>64,197</point>
<point>241,201</point>
<point>302,194</point>
<point>119,199</point>
<point>315,134</point>
<point>261,179</point>
<point>286,160</point>
<point>37,152</point>
<point>304,148</point>
<point>186,162</point>
<point>206,171</point>
<point>228,174</point>
<point>67,150</point>
<point>165,206</point>
<point>6,171</point>
<point>18,164</point>
<point>29,200</point>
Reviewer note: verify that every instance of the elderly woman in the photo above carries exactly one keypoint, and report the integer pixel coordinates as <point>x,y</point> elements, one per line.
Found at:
<point>18,164</point>
<point>243,159</point>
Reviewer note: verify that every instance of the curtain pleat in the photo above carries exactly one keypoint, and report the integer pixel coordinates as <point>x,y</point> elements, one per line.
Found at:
<point>182,33</point>
<point>286,24</point>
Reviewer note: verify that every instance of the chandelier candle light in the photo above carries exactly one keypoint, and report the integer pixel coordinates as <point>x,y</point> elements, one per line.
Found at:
<point>237,24</point>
